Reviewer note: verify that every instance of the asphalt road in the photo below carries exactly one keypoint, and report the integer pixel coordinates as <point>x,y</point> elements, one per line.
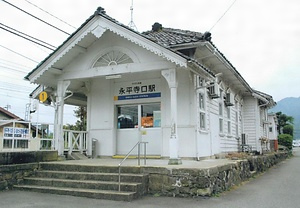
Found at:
<point>277,188</point>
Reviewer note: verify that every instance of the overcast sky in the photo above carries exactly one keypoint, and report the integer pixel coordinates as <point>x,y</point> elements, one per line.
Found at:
<point>260,38</point>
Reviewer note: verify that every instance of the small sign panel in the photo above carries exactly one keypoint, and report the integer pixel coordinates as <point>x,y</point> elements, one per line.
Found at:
<point>142,89</point>
<point>10,132</point>
<point>43,96</point>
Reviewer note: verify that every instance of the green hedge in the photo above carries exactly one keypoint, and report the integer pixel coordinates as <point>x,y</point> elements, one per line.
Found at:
<point>285,140</point>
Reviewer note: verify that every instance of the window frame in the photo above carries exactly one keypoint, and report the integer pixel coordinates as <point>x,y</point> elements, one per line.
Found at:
<point>201,103</point>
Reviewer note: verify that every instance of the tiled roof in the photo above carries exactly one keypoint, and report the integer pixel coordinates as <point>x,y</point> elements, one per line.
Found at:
<point>169,37</point>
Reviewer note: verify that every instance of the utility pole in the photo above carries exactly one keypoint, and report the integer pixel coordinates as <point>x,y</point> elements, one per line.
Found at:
<point>7,107</point>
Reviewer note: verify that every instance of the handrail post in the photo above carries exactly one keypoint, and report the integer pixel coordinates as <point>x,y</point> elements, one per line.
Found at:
<point>139,153</point>
<point>119,178</point>
<point>145,153</point>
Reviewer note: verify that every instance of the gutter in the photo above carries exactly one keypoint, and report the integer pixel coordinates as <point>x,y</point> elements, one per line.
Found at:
<point>222,59</point>
<point>266,101</point>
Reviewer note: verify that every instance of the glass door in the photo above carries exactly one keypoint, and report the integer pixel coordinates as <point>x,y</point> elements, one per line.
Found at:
<point>139,123</point>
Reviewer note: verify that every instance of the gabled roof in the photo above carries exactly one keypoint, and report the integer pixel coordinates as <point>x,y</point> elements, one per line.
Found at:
<point>100,11</point>
<point>170,41</point>
<point>54,57</point>
<point>9,114</point>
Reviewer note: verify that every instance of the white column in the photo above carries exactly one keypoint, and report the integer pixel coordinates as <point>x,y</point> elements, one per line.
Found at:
<point>59,114</point>
<point>170,76</point>
<point>86,90</point>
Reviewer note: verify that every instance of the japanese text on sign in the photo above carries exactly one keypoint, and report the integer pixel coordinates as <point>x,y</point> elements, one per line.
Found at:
<point>137,89</point>
<point>10,132</point>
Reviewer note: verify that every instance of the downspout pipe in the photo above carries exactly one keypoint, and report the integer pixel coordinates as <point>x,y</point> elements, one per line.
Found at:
<point>266,101</point>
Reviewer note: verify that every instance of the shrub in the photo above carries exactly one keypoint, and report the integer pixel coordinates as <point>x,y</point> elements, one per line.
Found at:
<point>285,140</point>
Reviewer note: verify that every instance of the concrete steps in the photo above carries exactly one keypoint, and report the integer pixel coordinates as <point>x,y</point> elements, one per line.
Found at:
<point>99,182</point>
<point>89,193</point>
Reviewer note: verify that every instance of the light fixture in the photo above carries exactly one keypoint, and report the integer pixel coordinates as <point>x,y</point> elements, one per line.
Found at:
<point>113,76</point>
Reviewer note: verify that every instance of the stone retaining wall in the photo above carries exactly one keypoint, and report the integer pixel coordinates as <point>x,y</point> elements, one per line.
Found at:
<point>185,182</point>
<point>7,158</point>
<point>12,174</point>
<point>14,166</point>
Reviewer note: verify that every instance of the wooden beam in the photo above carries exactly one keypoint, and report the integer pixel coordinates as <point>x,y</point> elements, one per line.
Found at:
<point>118,69</point>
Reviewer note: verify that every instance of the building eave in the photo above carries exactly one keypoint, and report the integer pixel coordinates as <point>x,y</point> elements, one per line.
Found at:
<point>97,24</point>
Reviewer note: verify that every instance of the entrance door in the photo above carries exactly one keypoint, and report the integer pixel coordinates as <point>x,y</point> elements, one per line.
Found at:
<point>139,123</point>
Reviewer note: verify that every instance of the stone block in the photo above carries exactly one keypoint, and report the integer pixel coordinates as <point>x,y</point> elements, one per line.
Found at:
<point>213,171</point>
<point>203,182</point>
<point>204,192</point>
<point>186,172</point>
<point>3,185</point>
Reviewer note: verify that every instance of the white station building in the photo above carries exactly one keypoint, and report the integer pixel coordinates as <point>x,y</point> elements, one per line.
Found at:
<point>171,88</point>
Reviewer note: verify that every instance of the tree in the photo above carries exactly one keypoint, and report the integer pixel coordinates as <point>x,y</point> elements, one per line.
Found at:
<point>285,140</point>
<point>80,124</point>
<point>80,113</point>
<point>283,120</point>
<point>288,129</point>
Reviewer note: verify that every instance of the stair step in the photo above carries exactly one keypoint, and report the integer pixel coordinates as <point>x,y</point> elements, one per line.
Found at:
<point>87,168</point>
<point>87,181</point>
<point>85,184</point>
<point>136,157</point>
<point>90,176</point>
<point>90,193</point>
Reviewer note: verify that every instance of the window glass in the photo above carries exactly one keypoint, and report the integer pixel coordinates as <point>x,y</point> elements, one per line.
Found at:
<point>201,82</point>
<point>228,112</point>
<point>221,125</point>
<point>202,120</point>
<point>127,117</point>
<point>220,109</point>
<point>151,115</point>
<point>201,101</point>
<point>228,127</point>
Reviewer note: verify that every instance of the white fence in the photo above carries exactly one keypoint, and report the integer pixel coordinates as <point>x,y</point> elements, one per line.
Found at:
<point>75,141</point>
<point>18,135</point>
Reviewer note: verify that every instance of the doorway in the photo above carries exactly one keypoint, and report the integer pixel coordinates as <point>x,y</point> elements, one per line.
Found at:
<point>141,122</point>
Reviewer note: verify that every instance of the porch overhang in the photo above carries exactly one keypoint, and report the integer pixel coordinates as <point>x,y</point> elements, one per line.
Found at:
<point>76,98</point>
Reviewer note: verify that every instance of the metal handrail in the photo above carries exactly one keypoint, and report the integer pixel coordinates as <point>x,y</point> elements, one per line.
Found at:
<point>139,149</point>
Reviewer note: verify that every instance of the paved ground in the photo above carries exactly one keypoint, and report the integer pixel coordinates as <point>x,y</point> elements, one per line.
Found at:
<point>207,163</point>
<point>277,188</point>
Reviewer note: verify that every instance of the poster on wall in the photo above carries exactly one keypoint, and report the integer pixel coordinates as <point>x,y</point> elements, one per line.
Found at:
<point>137,90</point>
<point>147,121</point>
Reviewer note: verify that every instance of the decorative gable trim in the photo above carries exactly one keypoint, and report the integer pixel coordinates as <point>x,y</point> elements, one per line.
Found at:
<point>150,46</point>
<point>98,26</point>
<point>61,51</point>
<point>98,31</point>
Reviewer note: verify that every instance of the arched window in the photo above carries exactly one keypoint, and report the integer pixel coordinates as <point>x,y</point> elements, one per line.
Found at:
<point>113,58</point>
